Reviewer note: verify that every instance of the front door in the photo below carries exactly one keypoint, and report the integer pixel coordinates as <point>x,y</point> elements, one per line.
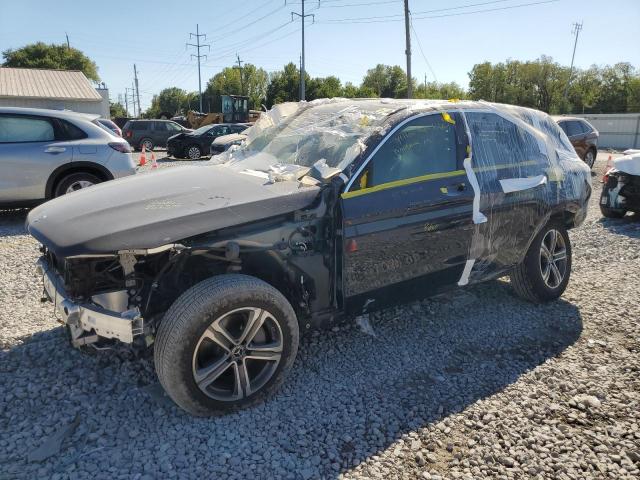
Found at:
<point>30,150</point>
<point>407,215</point>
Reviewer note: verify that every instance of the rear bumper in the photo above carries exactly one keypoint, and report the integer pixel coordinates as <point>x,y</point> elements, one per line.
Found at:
<point>86,321</point>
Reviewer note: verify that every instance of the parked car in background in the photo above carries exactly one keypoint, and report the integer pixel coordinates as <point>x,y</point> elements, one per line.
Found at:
<point>109,125</point>
<point>621,189</point>
<point>330,208</point>
<point>582,135</point>
<point>195,144</point>
<point>150,133</point>
<point>222,144</point>
<point>47,153</point>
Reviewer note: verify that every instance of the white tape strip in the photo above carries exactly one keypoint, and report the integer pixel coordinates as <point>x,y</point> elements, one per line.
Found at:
<point>478,217</point>
<point>518,184</point>
<point>464,279</point>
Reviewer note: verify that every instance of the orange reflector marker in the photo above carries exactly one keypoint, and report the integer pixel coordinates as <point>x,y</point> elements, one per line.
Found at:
<point>351,246</point>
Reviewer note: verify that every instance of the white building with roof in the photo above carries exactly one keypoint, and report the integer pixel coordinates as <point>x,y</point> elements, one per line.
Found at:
<point>53,89</point>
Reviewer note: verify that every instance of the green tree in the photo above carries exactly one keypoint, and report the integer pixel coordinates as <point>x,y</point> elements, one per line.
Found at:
<point>328,87</point>
<point>284,85</point>
<point>116,109</point>
<point>352,91</point>
<point>386,81</point>
<point>41,55</point>
<point>435,90</point>
<point>172,100</point>
<point>253,83</point>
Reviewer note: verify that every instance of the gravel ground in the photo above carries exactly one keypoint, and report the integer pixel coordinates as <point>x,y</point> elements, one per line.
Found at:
<point>476,383</point>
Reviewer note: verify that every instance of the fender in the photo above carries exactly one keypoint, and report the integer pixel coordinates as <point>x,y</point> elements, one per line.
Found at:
<point>102,171</point>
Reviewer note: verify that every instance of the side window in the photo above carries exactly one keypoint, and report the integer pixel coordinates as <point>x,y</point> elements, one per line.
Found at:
<point>586,128</point>
<point>20,129</point>
<point>224,130</point>
<point>574,127</point>
<point>563,126</point>
<point>423,146</point>
<point>139,125</point>
<point>174,127</point>
<point>68,131</point>
<point>499,143</point>
<point>160,126</point>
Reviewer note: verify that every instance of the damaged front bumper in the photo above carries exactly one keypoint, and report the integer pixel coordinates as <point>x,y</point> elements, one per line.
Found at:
<point>88,322</point>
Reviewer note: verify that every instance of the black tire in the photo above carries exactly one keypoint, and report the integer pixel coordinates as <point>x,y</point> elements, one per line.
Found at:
<point>527,278</point>
<point>193,152</point>
<point>68,182</point>
<point>611,212</point>
<point>184,325</point>
<point>590,157</point>
<point>148,143</point>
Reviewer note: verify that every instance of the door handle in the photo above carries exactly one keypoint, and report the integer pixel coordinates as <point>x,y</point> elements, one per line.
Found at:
<point>55,150</point>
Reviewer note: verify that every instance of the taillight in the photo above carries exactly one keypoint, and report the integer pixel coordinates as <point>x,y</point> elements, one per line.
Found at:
<point>120,147</point>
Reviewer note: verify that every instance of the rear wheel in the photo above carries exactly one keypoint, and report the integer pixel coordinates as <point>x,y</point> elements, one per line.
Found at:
<point>147,143</point>
<point>590,157</point>
<point>74,182</point>
<point>226,343</point>
<point>544,273</point>
<point>193,152</point>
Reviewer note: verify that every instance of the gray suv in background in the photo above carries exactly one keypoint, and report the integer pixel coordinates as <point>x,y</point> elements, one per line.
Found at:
<point>151,133</point>
<point>47,153</point>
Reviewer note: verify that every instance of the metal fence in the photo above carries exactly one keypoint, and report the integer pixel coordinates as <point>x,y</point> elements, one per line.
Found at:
<point>617,130</point>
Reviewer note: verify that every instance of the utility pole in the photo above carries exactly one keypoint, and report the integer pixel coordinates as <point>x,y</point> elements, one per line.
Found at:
<point>302,69</point>
<point>67,35</point>
<point>133,99</point>
<point>240,71</point>
<point>576,31</point>
<point>126,100</point>
<point>137,92</point>
<point>407,24</point>
<point>198,46</point>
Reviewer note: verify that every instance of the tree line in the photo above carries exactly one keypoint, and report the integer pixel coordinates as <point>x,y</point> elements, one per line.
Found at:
<point>541,83</point>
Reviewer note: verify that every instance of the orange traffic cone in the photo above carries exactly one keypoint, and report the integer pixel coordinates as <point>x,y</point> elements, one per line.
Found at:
<point>154,164</point>
<point>143,158</point>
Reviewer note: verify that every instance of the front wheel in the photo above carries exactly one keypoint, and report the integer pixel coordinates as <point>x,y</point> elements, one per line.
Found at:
<point>590,158</point>
<point>544,273</point>
<point>193,152</point>
<point>226,343</point>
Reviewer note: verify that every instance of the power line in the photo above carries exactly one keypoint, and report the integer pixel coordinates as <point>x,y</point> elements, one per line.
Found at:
<point>198,46</point>
<point>435,77</point>
<point>386,19</point>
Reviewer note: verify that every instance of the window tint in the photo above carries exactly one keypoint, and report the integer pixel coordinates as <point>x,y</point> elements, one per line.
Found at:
<point>70,132</point>
<point>586,127</point>
<point>160,126</point>
<point>224,130</point>
<point>25,129</point>
<point>238,128</point>
<point>422,146</point>
<point>174,127</point>
<point>563,126</point>
<point>574,127</point>
<point>139,125</point>
<point>497,141</point>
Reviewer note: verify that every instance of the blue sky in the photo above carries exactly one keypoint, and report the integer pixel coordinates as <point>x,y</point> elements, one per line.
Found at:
<point>153,34</point>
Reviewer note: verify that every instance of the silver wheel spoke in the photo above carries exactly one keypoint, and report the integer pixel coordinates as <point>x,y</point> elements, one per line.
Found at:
<point>263,355</point>
<point>219,335</point>
<point>556,275</point>
<point>544,251</point>
<point>559,255</point>
<point>255,322</point>
<point>553,239</point>
<point>206,376</point>
<point>546,272</point>
<point>245,381</point>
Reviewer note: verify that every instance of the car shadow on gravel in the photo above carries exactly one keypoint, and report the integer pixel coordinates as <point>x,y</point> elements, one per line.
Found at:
<point>12,221</point>
<point>351,394</point>
<point>628,225</point>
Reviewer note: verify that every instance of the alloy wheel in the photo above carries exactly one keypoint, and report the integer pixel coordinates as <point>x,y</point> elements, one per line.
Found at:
<point>553,258</point>
<point>589,158</point>
<point>193,153</point>
<point>148,146</point>
<point>79,185</point>
<point>237,354</point>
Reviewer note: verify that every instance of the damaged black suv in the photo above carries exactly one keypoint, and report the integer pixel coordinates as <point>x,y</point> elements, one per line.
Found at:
<point>328,209</point>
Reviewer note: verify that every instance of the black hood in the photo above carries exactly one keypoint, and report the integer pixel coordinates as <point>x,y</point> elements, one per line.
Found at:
<point>152,209</point>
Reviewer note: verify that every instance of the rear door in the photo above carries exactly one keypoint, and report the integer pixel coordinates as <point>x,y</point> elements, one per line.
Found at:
<point>31,148</point>
<point>578,136</point>
<point>407,220</point>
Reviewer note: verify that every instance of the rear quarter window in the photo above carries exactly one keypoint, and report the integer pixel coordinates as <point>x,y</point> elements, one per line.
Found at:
<point>139,126</point>
<point>69,131</point>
